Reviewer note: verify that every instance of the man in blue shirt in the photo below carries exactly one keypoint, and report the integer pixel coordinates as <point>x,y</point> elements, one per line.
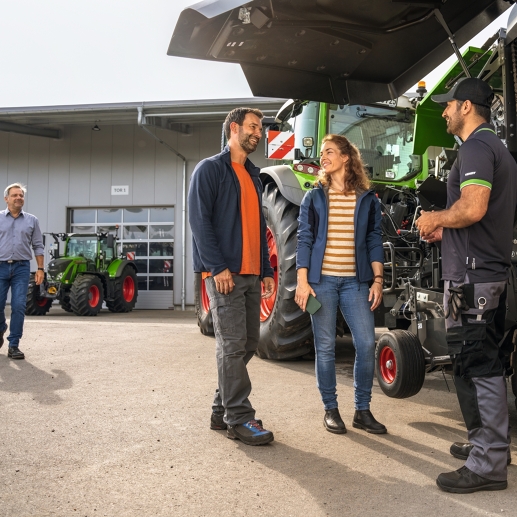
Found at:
<point>477,231</point>
<point>20,234</point>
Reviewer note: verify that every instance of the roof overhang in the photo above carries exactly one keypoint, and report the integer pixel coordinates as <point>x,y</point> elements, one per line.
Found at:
<point>330,50</point>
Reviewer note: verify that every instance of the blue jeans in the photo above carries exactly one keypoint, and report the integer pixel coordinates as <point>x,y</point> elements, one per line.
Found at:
<point>16,276</point>
<point>352,298</point>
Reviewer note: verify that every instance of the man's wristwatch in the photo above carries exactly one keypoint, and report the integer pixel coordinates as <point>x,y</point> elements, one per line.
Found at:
<point>41,269</point>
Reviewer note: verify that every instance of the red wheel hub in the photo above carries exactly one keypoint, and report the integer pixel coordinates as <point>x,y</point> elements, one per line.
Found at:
<point>266,306</point>
<point>41,302</point>
<point>94,296</point>
<point>128,289</point>
<point>205,301</point>
<point>388,365</point>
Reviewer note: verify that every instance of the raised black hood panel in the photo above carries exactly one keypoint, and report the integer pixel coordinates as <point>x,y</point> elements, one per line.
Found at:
<point>353,51</point>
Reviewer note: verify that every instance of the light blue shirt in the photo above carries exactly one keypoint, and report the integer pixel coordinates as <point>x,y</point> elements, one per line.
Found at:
<point>18,235</point>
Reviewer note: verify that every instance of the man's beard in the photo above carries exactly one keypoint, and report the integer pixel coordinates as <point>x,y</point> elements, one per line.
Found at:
<point>245,142</point>
<point>455,125</point>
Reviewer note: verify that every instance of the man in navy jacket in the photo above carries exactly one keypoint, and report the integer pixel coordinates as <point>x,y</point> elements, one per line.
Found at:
<point>229,248</point>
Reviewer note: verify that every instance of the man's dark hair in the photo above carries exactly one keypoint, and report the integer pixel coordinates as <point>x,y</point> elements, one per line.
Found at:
<point>238,115</point>
<point>481,111</point>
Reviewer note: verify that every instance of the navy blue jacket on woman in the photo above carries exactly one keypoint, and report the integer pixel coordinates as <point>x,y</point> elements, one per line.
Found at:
<point>313,226</point>
<point>214,202</point>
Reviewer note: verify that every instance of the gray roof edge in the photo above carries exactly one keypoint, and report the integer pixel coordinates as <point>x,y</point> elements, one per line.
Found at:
<point>155,105</point>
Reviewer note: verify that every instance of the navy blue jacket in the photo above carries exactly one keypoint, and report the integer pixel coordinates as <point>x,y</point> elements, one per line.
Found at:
<point>312,233</point>
<point>214,202</point>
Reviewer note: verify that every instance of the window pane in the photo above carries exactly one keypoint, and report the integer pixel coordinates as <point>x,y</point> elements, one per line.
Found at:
<point>142,283</point>
<point>108,229</point>
<point>135,232</point>
<point>161,248</point>
<point>138,248</point>
<point>161,231</point>
<point>160,266</point>
<point>136,215</point>
<point>83,229</point>
<point>141,265</point>
<point>162,215</point>
<point>109,215</point>
<point>160,283</point>
<point>82,216</point>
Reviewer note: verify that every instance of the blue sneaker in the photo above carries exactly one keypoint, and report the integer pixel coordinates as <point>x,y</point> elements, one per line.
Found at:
<point>250,433</point>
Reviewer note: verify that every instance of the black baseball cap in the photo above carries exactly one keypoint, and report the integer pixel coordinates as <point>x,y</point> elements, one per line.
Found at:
<point>468,89</point>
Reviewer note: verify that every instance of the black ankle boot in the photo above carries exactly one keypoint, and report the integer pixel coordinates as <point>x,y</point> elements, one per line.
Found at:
<point>363,419</point>
<point>333,422</point>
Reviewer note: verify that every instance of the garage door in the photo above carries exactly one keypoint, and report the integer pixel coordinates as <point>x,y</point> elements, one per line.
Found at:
<point>145,236</point>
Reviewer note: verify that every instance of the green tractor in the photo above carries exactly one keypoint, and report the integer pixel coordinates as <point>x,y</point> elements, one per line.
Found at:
<point>84,276</point>
<point>354,61</point>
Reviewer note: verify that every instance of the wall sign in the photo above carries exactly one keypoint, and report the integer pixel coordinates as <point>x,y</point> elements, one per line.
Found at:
<point>119,190</point>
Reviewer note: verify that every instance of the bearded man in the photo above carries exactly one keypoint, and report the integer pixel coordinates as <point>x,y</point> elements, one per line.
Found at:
<point>229,248</point>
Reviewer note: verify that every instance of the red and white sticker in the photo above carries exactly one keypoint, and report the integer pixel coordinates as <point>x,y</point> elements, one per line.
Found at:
<point>130,255</point>
<point>166,266</point>
<point>280,145</point>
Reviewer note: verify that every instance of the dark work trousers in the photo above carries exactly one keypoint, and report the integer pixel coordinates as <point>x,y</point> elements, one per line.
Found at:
<point>474,342</point>
<point>236,319</point>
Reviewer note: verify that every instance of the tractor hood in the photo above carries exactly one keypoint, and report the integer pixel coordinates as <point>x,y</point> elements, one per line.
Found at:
<point>343,52</point>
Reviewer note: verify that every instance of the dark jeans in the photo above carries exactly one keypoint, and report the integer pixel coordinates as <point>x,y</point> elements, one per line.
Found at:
<point>236,319</point>
<point>15,276</point>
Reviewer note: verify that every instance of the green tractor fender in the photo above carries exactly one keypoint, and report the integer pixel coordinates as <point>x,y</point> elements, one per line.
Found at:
<point>117,266</point>
<point>289,184</point>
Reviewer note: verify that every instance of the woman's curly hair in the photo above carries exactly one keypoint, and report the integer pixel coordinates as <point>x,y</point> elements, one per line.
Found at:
<point>356,177</point>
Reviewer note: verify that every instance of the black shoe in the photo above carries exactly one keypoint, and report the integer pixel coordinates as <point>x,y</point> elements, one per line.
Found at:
<point>464,481</point>
<point>333,422</point>
<point>216,421</point>
<point>2,336</point>
<point>462,450</point>
<point>15,353</point>
<point>250,433</point>
<point>363,419</point>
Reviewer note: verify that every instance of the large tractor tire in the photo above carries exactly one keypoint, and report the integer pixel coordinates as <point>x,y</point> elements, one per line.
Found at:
<point>202,303</point>
<point>65,304</point>
<point>36,304</point>
<point>399,364</point>
<point>125,292</point>
<point>285,330</point>
<point>86,295</point>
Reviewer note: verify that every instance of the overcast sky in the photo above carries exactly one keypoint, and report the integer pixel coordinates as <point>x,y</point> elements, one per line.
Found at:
<point>61,52</point>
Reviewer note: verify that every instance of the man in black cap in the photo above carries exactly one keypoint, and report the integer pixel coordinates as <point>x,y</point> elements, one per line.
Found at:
<point>476,230</point>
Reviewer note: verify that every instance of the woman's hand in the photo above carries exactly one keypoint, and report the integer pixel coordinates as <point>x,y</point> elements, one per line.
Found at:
<point>375,295</point>
<point>303,289</point>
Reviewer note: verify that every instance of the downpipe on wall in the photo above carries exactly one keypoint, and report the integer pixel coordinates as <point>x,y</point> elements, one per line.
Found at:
<point>142,124</point>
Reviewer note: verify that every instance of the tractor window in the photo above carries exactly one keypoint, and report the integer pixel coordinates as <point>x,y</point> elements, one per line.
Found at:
<point>85,247</point>
<point>384,137</point>
<point>304,125</point>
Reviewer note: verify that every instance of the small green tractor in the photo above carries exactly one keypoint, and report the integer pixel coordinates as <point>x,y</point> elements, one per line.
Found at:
<point>86,274</point>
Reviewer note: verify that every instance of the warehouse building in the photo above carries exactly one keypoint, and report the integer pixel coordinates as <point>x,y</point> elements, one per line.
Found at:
<point>122,168</point>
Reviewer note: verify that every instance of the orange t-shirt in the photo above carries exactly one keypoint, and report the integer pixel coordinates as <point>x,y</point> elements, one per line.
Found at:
<point>250,218</point>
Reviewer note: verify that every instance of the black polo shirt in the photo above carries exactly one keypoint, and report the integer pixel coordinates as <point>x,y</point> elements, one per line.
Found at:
<point>483,250</point>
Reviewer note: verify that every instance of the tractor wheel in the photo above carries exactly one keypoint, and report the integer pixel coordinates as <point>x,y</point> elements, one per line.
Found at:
<point>65,304</point>
<point>36,305</point>
<point>86,295</point>
<point>400,364</point>
<point>202,303</point>
<point>126,291</point>
<point>285,330</point>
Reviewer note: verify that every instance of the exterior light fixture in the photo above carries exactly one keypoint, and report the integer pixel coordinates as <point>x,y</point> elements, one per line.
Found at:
<point>96,128</point>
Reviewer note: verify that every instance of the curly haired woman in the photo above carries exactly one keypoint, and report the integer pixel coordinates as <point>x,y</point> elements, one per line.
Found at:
<point>339,253</point>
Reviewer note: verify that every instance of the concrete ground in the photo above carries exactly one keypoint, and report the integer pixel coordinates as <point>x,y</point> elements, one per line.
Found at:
<point>108,416</point>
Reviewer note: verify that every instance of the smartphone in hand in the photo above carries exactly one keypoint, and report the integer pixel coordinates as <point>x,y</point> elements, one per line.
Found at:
<point>313,305</point>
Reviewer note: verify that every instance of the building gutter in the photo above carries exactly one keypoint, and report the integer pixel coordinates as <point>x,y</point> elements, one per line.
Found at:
<point>143,124</point>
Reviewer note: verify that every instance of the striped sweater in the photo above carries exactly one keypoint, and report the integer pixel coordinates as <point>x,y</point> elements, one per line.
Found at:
<point>339,258</point>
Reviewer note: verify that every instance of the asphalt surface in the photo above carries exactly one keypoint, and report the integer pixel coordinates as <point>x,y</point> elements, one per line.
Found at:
<point>109,416</point>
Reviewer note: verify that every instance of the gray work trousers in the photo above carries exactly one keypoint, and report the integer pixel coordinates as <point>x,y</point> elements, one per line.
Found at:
<point>474,342</point>
<point>236,318</point>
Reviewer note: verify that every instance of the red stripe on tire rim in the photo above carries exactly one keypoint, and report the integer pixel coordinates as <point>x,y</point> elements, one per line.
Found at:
<point>388,365</point>
<point>94,296</point>
<point>128,289</point>
<point>266,306</point>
